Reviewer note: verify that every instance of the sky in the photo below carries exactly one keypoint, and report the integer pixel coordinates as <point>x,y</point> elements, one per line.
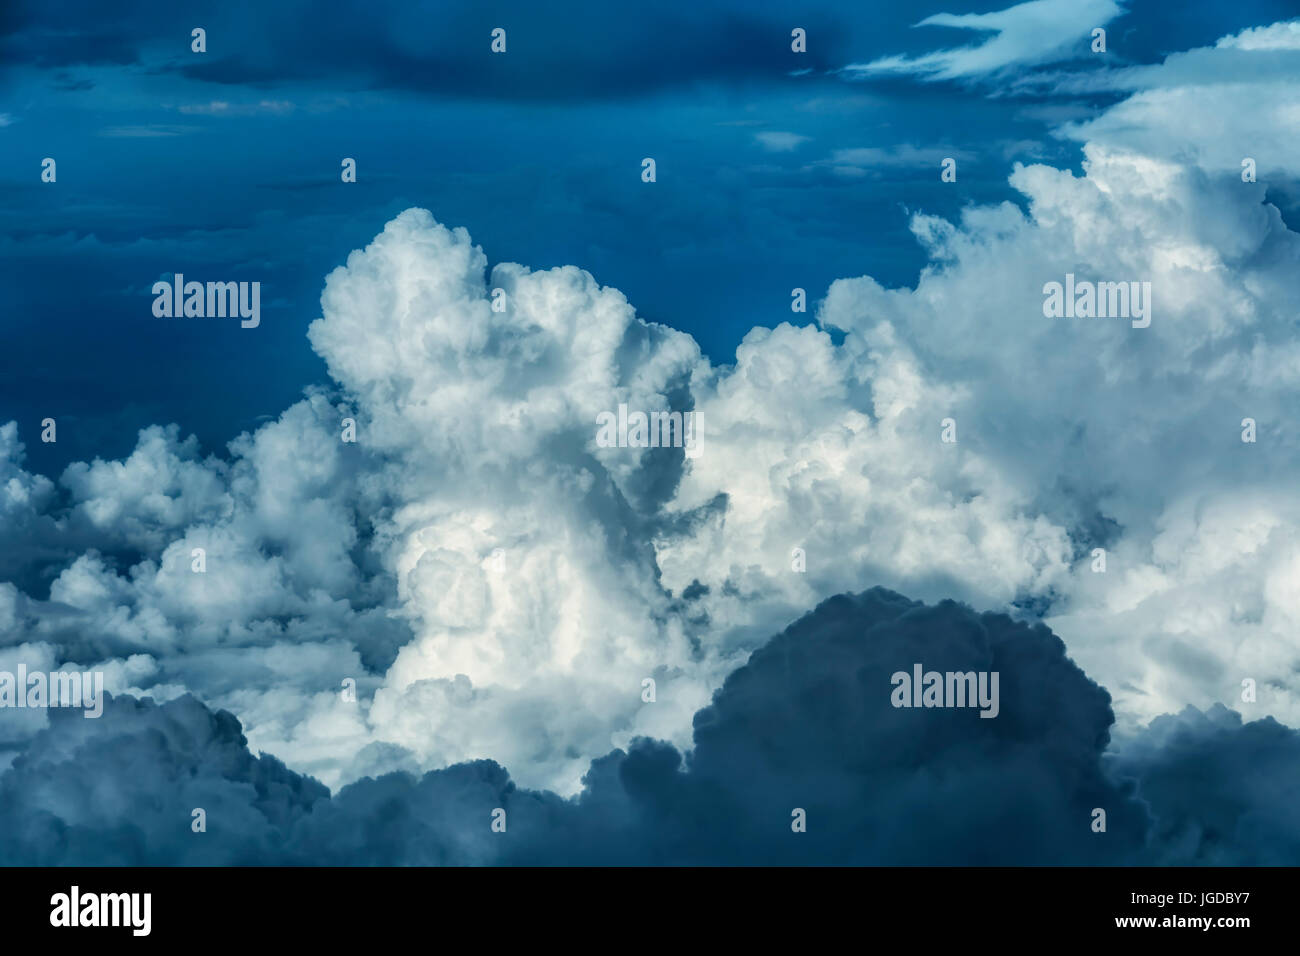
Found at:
<point>497,585</point>
<point>172,161</point>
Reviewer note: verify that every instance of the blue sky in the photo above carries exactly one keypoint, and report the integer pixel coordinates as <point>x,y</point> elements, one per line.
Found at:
<point>228,162</point>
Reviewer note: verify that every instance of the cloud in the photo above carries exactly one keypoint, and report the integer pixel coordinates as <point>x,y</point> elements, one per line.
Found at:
<point>1027,34</point>
<point>1100,426</point>
<point>120,790</point>
<point>1277,36</point>
<point>591,52</point>
<point>805,724</point>
<point>1190,767</point>
<point>859,161</point>
<point>226,108</point>
<point>1132,441</point>
<point>1210,107</point>
<point>775,141</point>
<point>151,131</point>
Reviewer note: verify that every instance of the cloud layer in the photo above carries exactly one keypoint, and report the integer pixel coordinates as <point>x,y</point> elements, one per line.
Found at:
<point>804,725</point>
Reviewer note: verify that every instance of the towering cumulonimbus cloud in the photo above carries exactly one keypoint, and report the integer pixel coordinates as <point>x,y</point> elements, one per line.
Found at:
<point>498,584</point>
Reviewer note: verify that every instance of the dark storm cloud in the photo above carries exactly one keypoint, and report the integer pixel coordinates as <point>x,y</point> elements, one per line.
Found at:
<point>68,33</point>
<point>578,50</point>
<point>1225,790</point>
<point>120,790</point>
<point>806,723</point>
<point>581,50</point>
